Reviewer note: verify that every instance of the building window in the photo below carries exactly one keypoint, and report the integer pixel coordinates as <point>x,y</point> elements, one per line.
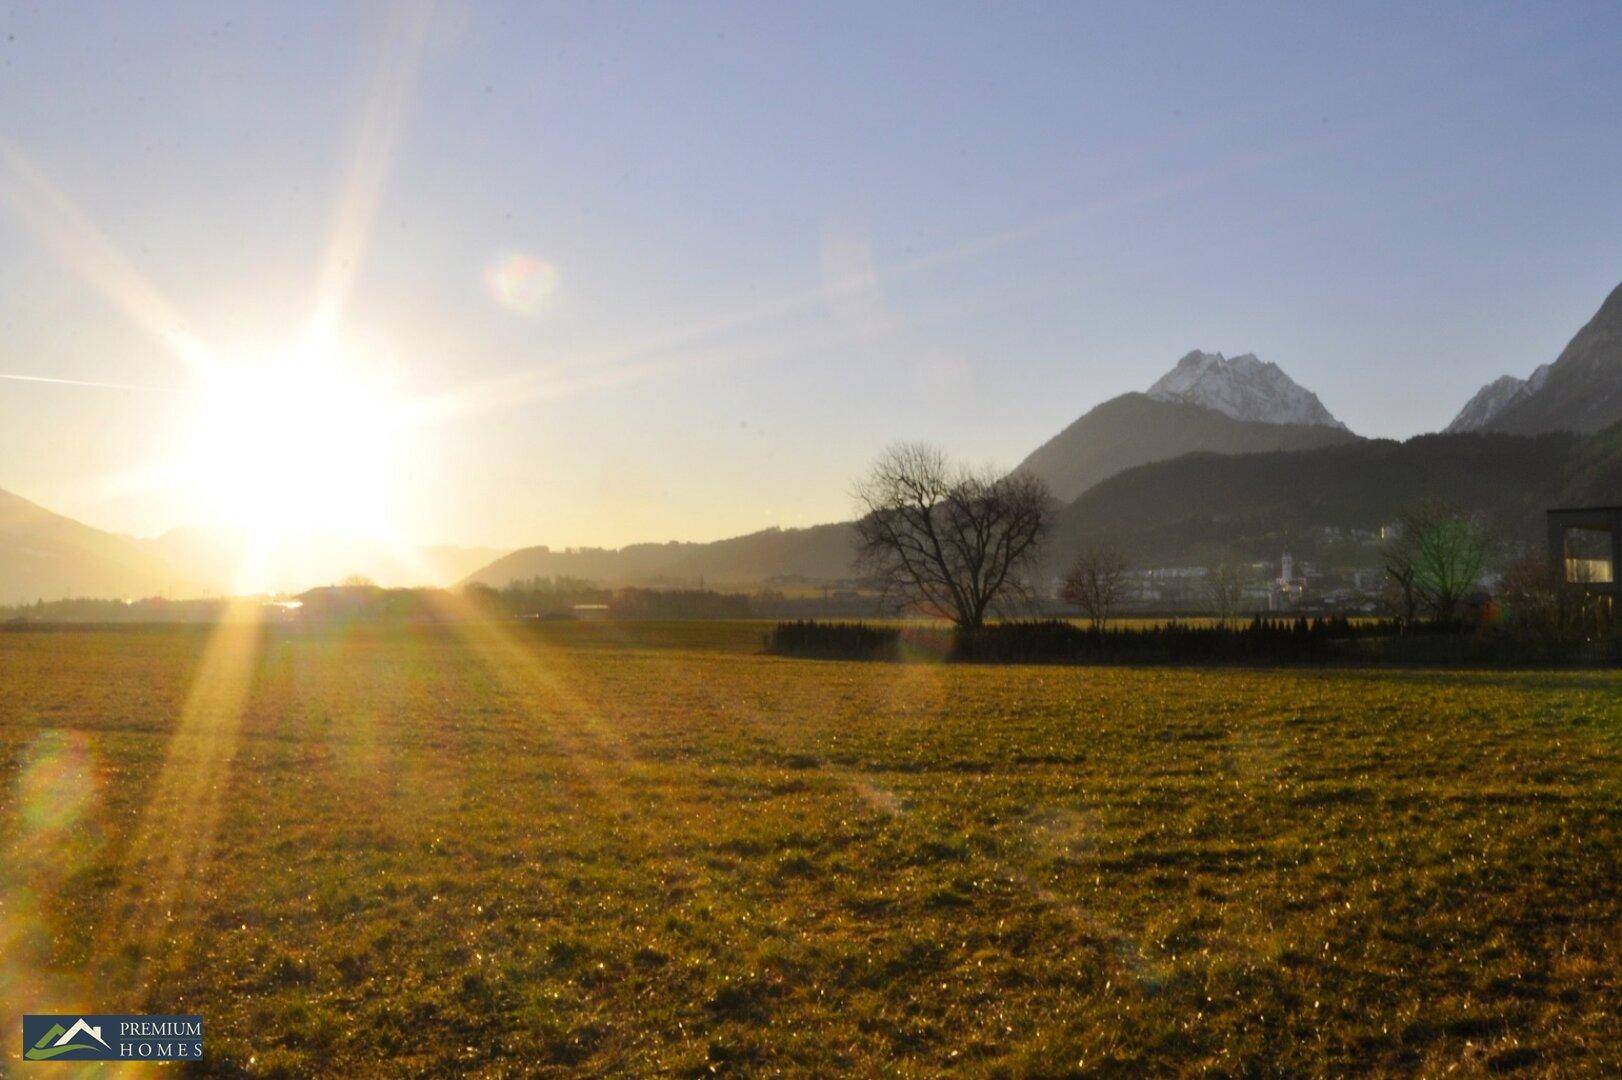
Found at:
<point>1588,556</point>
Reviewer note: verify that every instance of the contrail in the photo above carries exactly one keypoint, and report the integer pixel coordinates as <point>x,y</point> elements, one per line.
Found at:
<point>86,382</point>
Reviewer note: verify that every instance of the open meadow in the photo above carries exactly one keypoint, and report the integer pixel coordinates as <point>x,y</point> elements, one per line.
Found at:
<point>502,849</point>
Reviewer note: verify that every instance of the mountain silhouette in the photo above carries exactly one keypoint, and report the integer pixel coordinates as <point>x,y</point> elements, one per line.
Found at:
<point>47,556</point>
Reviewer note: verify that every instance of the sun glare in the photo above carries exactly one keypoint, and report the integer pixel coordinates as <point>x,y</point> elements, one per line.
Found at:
<point>294,445</point>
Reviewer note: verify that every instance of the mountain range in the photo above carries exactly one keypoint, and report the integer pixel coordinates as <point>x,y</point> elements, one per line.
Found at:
<point>1218,454</point>
<point>1231,453</point>
<point>1186,510</point>
<point>1200,507</point>
<point>1135,429</point>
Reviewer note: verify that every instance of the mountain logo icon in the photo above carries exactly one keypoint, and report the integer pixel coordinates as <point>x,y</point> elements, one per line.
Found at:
<point>59,1041</point>
<point>111,1037</point>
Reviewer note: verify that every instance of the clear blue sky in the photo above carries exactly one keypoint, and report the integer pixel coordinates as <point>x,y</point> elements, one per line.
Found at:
<point>784,235</point>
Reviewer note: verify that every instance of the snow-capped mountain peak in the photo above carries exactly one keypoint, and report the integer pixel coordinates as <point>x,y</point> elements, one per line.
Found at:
<point>1244,388</point>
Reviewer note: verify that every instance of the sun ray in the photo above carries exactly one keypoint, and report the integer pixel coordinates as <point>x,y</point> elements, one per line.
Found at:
<point>69,233</point>
<point>399,57</point>
<point>555,383</point>
<point>539,673</point>
<point>168,851</point>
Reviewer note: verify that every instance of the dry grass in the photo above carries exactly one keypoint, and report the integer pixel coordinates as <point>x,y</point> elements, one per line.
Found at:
<point>606,848</point>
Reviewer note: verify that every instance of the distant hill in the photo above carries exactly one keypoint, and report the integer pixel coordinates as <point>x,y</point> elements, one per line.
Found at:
<point>1202,505</point>
<point>1581,391</point>
<point>50,557</point>
<point>823,552</point>
<point>1135,429</point>
<point>633,564</point>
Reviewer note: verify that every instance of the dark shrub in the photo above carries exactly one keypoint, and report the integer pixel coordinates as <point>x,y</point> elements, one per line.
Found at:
<point>834,641</point>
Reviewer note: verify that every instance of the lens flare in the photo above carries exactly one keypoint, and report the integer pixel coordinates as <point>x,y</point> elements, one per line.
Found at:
<point>56,787</point>
<point>521,283</point>
<point>50,836</point>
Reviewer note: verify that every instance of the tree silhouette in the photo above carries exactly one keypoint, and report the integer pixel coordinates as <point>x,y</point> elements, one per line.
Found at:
<point>950,541</point>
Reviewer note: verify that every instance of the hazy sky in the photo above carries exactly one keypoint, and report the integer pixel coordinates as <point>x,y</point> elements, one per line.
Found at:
<point>704,261</point>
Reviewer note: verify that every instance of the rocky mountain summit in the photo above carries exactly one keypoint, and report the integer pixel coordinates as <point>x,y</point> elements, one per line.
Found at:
<point>1582,390</point>
<point>1492,399</point>
<point>1243,388</point>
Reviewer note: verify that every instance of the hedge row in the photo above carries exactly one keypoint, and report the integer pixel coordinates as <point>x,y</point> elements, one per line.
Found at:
<point>1259,641</point>
<point>834,641</point>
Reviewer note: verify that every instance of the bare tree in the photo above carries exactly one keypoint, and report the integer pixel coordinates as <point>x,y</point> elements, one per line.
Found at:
<point>1440,551</point>
<point>952,541</point>
<point>1225,588</point>
<point>1096,583</point>
<point>1400,568</point>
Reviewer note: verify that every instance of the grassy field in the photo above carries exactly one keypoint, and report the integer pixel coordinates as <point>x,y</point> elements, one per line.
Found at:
<point>643,848</point>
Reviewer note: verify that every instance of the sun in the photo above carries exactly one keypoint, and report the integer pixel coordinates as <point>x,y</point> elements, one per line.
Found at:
<point>296,444</point>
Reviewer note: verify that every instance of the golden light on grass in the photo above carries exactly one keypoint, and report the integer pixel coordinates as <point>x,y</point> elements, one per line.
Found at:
<point>46,843</point>
<point>592,846</point>
<point>167,855</point>
<point>535,672</point>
